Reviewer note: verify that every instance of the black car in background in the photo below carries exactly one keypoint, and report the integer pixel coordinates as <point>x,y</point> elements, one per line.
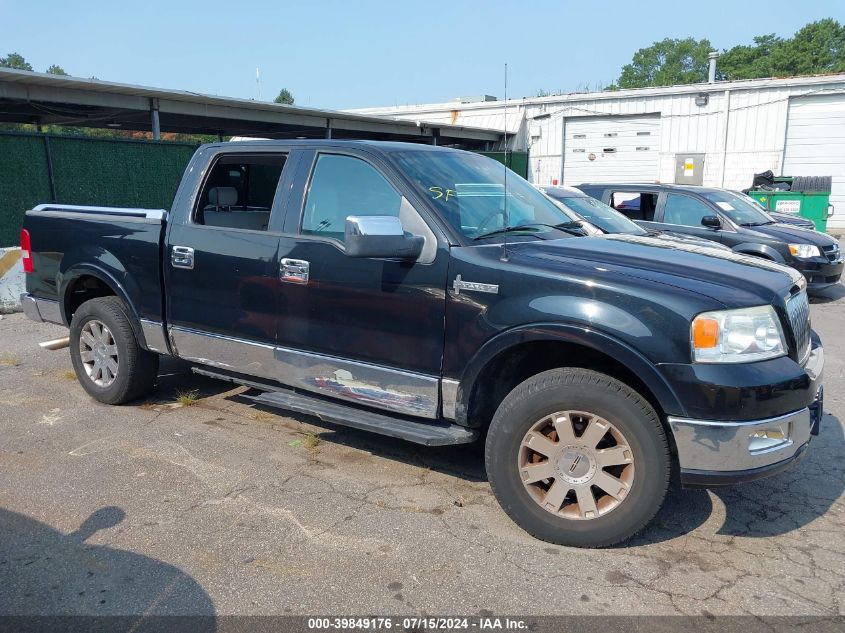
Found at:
<point>726,217</point>
<point>610,221</point>
<point>793,219</point>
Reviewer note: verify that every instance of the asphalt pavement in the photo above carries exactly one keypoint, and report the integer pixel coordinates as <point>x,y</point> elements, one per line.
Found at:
<point>223,507</point>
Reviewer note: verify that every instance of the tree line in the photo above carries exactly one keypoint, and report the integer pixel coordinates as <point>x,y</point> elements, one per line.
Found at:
<point>816,48</point>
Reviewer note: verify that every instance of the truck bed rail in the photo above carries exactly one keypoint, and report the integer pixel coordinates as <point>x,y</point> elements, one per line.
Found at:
<point>102,213</point>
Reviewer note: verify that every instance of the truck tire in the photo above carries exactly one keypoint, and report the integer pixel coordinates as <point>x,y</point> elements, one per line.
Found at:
<point>577,458</point>
<point>106,357</point>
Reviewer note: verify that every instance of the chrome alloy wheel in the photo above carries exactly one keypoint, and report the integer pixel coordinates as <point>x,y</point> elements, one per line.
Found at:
<point>576,465</point>
<point>98,352</point>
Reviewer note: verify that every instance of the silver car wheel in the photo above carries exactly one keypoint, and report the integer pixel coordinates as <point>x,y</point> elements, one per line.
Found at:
<point>576,465</point>
<point>98,352</point>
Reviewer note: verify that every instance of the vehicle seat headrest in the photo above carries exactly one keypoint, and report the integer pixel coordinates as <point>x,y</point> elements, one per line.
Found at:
<point>223,196</point>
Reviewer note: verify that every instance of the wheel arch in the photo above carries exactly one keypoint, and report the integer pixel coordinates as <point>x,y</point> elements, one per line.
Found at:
<point>759,250</point>
<point>86,281</point>
<point>516,354</point>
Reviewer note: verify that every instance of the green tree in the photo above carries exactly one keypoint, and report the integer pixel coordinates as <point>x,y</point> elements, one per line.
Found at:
<point>56,70</point>
<point>15,60</point>
<point>819,47</point>
<point>666,63</point>
<point>285,97</point>
<point>750,61</point>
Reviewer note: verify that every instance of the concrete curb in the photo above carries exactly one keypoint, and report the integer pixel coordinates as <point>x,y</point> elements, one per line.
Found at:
<point>11,279</point>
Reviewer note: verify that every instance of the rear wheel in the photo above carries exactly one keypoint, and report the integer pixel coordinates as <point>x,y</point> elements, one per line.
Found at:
<point>578,458</point>
<point>109,363</point>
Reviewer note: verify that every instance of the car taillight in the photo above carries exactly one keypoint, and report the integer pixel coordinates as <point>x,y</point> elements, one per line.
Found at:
<point>26,252</point>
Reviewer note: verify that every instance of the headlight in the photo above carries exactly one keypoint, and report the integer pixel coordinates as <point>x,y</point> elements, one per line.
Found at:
<point>804,251</point>
<point>737,336</point>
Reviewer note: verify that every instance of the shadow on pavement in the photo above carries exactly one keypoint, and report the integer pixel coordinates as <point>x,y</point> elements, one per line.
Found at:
<point>465,461</point>
<point>793,499</point>
<point>828,295</point>
<point>768,507</point>
<point>175,377</point>
<point>46,573</point>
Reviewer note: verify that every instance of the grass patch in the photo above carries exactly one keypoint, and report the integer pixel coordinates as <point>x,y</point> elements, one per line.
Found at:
<point>188,398</point>
<point>262,416</point>
<point>311,441</point>
<point>308,440</point>
<point>10,360</point>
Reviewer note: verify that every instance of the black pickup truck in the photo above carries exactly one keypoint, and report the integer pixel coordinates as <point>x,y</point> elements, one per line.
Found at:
<point>428,294</point>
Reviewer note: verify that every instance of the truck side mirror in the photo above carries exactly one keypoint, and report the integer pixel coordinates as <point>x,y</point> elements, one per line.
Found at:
<point>380,236</point>
<point>711,222</point>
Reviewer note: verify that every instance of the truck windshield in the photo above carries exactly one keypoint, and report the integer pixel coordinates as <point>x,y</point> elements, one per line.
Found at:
<point>469,192</point>
<point>599,214</point>
<point>740,211</point>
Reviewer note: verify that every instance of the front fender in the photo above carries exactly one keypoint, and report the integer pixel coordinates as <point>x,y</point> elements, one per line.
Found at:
<point>760,250</point>
<point>579,335</point>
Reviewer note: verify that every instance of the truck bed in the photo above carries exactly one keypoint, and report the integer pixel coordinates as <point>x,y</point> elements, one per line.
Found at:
<point>117,245</point>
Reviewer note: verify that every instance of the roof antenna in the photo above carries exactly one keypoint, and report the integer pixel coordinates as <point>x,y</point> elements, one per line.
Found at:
<point>506,210</point>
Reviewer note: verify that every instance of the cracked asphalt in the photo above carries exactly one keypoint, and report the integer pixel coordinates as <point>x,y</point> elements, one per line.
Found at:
<point>226,508</point>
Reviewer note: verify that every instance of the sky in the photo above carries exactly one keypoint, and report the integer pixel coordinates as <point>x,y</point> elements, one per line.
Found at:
<point>335,55</point>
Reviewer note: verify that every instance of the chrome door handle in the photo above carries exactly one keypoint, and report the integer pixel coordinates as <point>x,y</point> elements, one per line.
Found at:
<point>182,257</point>
<point>294,270</point>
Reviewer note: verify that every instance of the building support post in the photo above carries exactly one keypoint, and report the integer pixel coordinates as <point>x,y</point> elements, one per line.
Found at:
<point>328,128</point>
<point>727,117</point>
<point>155,122</point>
<point>435,134</point>
<point>51,178</point>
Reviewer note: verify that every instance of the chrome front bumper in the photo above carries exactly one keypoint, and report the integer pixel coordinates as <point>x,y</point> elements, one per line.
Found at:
<point>41,310</point>
<point>723,447</point>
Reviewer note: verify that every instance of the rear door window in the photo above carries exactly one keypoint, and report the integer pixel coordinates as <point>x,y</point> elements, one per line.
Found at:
<point>239,192</point>
<point>634,204</point>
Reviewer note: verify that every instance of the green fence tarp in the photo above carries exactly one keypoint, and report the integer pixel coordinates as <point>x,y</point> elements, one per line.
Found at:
<point>100,172</point>
<point>23,182</point>
<point>103,172</point>
<point>517,161</point>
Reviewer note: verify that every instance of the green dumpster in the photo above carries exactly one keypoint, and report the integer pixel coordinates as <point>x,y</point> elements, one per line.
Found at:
<point>808,196</point>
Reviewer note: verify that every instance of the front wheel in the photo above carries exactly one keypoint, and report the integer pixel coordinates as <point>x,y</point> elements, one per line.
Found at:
<point>577,458</point>
<point>106,357</point>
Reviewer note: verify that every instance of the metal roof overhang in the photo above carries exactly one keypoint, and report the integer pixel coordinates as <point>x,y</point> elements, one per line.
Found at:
<point>37,98</point>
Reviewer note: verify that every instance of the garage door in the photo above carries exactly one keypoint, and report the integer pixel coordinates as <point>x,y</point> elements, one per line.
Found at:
<point>611,149</point>
<point>815,145</point>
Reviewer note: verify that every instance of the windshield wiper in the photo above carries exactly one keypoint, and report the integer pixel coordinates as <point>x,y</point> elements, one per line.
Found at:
<point>507,229</point>
<point>569,227</point>
<point>756,223</point>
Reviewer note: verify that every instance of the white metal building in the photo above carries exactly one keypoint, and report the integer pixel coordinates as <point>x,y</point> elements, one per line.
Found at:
<point>716,134</point>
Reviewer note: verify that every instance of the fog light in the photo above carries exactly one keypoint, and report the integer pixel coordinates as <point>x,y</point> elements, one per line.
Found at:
<point>765,439</point>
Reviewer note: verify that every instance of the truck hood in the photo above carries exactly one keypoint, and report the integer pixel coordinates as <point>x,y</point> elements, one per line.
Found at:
<point>733,279</point>
<point>792,234</point>
<point>687,239</point>
<point>792,220</point>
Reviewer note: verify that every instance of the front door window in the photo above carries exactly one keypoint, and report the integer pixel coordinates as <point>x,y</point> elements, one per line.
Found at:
<point>685,210</point>
<point>342,186</point>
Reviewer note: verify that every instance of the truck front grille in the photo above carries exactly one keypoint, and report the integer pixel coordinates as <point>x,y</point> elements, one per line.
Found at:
<point>798,309</point>
<point>832,253</point>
